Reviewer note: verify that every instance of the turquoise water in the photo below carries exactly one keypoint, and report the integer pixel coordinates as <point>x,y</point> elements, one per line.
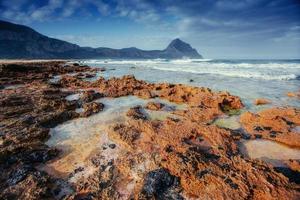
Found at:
<point>249,79</point>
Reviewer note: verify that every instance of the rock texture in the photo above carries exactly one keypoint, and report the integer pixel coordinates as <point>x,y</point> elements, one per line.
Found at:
<point>186,157</point>
<point>17,41</point>
<point>261,102</point>
<point>274,124</point>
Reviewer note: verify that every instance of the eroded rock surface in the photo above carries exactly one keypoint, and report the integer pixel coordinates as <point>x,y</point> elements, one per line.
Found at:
<point>182,157</point>
<point>274,124</point>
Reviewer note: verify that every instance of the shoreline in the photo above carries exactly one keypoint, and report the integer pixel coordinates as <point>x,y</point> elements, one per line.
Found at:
<point>32,61</point>
<point>188,152</point>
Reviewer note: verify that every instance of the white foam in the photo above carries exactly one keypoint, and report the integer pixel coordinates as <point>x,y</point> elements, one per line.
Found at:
<point>270,75</point>
<point>257,70</point>
<point>143,62</point>
<point>73,97</point>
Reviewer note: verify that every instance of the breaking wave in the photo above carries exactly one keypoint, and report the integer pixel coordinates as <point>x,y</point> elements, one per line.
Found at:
<point>267,70</point>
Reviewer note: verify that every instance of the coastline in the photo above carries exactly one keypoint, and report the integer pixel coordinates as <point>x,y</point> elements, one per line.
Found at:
<point>186,155</point>
<point>27,61</point>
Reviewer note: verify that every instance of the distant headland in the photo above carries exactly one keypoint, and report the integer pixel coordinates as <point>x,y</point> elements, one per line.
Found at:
<point>22,42</point>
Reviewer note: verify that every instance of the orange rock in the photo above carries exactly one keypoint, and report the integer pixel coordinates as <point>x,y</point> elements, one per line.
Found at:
<point>203,157</point>
<point>274,124</point>
<point>294,165</point>
<point>261,101</point>
<point>294,94</point>
<point>154,106</point>
<point>183,157</point>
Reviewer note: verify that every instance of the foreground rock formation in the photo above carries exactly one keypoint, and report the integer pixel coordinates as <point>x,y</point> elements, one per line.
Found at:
<point>274,124</point>
<point>183,156</point>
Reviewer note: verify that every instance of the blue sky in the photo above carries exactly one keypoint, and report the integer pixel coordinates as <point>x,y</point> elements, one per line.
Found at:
<point>217,29</point>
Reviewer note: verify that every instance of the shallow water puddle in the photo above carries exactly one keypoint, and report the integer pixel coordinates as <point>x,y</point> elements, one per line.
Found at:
<point>271,152</point>
<point>73,97</point>
<point>81,138</point>
<point>159,115</point>
<point>296,129</point>
<point>12,87</point>
<point>55,79</point>
<point>231,122</point>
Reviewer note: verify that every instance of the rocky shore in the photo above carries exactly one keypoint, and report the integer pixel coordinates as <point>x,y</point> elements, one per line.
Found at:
<point>181,156</point>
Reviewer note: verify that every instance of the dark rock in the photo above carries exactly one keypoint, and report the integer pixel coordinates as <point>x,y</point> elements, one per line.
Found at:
<point>202,173</point>
<point>293,176</point>
<point>258,136</point>
<point>160,184</point>
<point>267,128</point>
<point>258,128</point>
<point>19,174</point>
<point>136,113</point>
<point>112,146</point>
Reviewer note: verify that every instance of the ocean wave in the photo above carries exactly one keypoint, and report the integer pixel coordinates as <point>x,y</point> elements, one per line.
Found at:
<point>234,73</point>
<point>146,61</point>
<point>271,70</point>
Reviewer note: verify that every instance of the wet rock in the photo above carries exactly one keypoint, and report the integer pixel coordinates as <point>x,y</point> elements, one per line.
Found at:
<point>53,119</point>
<point>293,176</point>
<point>84,75</point>
<point>19,174</point>
<point>90,95</point>
<point>136,113</point>
<point>91,108</point>
<point>154,106</point>
<point>160,184</point>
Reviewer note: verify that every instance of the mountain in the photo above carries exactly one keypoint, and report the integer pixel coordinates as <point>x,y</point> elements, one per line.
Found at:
<point>18,41</point>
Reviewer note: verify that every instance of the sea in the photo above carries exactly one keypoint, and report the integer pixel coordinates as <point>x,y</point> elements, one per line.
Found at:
<point>249,79</point>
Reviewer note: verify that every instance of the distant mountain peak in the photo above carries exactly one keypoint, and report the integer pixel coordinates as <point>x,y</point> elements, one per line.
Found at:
<point>179,44</point>
<point>179,47</point>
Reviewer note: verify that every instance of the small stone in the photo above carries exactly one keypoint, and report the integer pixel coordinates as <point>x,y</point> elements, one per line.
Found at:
<point>258,136</point>
<point>261,101</point>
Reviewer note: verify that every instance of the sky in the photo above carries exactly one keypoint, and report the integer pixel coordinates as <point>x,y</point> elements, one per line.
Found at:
<point>216,28</point>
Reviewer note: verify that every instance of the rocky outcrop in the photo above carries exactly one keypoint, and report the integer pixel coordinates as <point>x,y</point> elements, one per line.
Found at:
<point>27,113</point>
<point>274,124</point>
<point>175,158</point>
